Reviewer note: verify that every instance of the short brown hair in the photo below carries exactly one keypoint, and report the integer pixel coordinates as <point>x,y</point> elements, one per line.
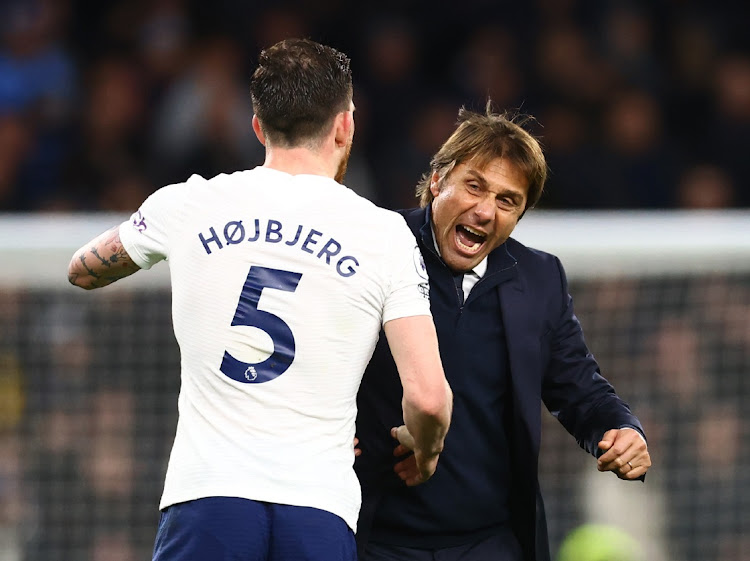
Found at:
<point>483,138</point>
<point>298,89</point>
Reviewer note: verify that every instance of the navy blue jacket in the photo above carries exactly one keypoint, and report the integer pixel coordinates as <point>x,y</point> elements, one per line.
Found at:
<point>546,360</point>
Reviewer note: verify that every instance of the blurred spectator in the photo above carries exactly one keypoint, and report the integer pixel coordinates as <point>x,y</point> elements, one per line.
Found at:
<point>389,76</point>
<point>110,140</point>
<point>488,66</point>
<point>114,545</point>
<point>710,502</point>
<point>14,500</point>
<point>690,54</point>
<point>12,380</point>
<point>278,22</point>
<point>726,305</point>
<point>203,124</point>
<point>15,143</point>
<point>109,463</point>
<point>567,140</point>
<point>731,126</point>
<point>679,364</point>
<point>163,41</point>
<point>37,94</point>
<point>705,187</point>
<point>408,157</point>
<point>54,475</point>
<point>627,42</point>
<point>569,70</point>
<point>637,163</point>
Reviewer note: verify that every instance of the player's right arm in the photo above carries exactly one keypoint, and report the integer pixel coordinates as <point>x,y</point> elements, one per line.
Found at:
<point>101,261</point>
<point>428,400</point>
<point>138,243</point>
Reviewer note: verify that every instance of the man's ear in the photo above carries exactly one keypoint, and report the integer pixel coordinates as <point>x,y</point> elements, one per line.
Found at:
<point>258,130</point>
<point>344,128</point>
<point>435,184</point>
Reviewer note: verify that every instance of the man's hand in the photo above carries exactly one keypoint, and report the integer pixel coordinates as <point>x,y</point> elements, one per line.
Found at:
<point>626,453</point>
<point>416,468</point>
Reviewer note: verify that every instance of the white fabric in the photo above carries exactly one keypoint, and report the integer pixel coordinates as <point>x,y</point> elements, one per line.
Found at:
<point>472,277</point>
<point>287,440</point>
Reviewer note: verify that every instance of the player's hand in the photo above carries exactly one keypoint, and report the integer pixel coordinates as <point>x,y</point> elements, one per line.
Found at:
<point>625,453</point>
<point>357,451</point>
<point>416,468</point>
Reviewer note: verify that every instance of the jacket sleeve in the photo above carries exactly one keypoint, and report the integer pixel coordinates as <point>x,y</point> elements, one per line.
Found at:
<point>573,389</point>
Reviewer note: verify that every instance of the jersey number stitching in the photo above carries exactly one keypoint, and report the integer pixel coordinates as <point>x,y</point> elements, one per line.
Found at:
<point>247,313</point>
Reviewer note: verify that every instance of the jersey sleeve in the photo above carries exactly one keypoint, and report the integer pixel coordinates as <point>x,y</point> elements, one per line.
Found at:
<point>146,235</point>
<point>409,288</point>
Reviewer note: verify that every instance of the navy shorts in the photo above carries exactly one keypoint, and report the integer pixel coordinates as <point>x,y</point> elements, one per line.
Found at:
<point>233,529</point>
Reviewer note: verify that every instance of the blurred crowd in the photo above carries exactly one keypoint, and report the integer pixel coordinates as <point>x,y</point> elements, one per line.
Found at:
<point>639,104</point>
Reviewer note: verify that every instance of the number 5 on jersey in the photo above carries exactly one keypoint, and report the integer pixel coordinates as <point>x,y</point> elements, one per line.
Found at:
<point>248,314</point>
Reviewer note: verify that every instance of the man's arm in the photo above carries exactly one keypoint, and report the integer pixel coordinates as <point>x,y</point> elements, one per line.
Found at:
<point>428,400</point>
<point>586,403</point>
<point>100,262</point>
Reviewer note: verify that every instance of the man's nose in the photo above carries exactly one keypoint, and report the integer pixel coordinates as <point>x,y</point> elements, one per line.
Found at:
<point>485,209</point>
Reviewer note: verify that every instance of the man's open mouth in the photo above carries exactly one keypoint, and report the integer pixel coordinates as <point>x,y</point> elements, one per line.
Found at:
<point>468,239</point>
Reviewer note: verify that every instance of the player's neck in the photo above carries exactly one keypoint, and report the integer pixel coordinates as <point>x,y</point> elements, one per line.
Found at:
<point>297,161</point>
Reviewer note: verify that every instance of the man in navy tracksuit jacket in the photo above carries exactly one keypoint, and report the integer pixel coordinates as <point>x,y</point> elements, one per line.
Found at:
<point>509,340</point>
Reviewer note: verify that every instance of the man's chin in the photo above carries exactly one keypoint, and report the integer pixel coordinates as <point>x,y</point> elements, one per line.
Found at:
<point>460,264</point>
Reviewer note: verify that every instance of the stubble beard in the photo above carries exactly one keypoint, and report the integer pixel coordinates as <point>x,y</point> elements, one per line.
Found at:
<point>341,171</point>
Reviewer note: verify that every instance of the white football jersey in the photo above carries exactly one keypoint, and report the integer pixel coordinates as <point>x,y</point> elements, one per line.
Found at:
<point>280,286</point>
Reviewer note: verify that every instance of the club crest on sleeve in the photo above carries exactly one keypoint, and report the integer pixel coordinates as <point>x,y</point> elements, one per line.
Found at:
<point>419,263</point>
<point>139,222</point>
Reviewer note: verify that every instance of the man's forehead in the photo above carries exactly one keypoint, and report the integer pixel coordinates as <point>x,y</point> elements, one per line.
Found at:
<point>481,168</point>
<point>481,164</point>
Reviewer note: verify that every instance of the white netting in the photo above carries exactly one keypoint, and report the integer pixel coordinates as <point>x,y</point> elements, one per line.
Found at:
<point>88,387</point>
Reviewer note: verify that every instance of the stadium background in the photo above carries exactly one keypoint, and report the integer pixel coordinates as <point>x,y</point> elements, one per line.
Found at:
<point>640,106</point>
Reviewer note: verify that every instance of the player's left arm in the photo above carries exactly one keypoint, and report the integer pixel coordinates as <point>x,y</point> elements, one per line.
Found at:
<point>100,262</point>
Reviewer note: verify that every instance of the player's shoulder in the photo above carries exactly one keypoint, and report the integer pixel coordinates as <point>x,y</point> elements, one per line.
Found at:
<point>181,188</point>
<point>389,218</point>
<point>395,223</point>
<point>205,189</point>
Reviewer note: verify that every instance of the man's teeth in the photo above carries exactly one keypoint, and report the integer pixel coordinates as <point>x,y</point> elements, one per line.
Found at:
<point>473,231</point>
<point>475,245</point>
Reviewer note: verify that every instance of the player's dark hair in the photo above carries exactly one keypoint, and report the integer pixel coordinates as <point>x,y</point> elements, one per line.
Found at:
<point>298,89</point>
<point>481,138</point>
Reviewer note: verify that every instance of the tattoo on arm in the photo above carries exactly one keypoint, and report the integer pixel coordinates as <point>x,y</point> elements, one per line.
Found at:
<point>101,262</point>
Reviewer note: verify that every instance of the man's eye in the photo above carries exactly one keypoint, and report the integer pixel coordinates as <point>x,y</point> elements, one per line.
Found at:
<point>473,186</point>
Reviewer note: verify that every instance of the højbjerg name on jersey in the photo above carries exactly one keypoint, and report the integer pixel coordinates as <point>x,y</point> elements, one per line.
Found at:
<point>272,231</point>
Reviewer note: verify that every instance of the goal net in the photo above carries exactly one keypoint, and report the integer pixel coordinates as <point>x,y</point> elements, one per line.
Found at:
<point>89,382</point>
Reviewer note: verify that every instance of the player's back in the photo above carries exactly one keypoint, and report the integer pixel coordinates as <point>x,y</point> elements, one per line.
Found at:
<point>280,286</point>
